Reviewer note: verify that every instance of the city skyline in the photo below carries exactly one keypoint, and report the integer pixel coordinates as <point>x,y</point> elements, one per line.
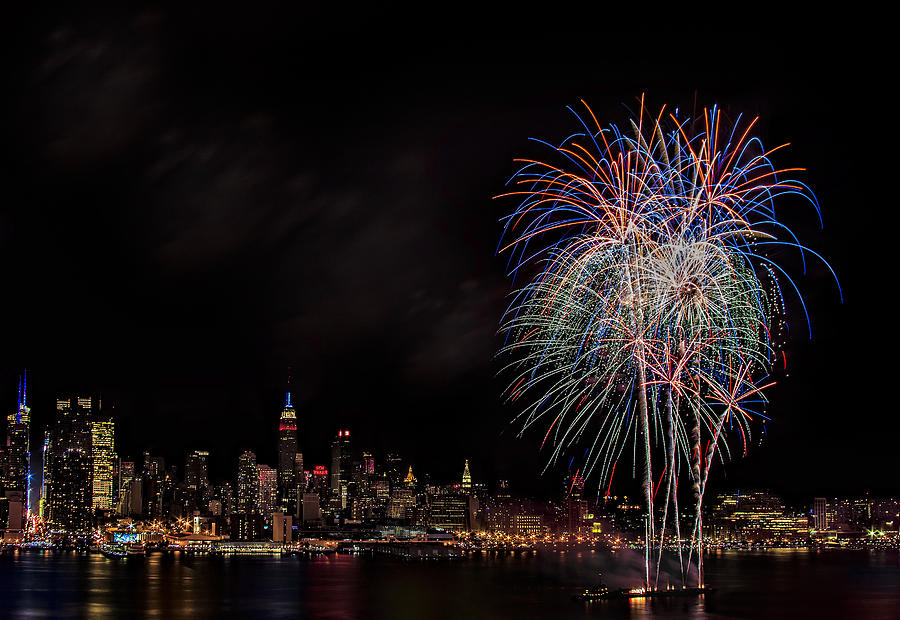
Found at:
<point>85,486</point>
<point>102,424</point>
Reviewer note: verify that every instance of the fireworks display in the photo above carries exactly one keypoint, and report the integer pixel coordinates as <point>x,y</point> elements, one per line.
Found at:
<point>647,325</point>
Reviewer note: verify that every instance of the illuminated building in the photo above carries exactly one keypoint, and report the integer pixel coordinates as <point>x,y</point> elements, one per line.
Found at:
<point>368,464</point>
<point>449,512</point>
<point>846,515</point>
<point>282,528</point>
<point>153,485</point>
<point>224,494</point>
<point>69,462</point>
<point>514,517</point>
<point>126,480</point>
<point>340,466</point>
<point>886,513</point>
<point>575,506</point>
<point>287,456</point>
<point>246,526</point>
<point>380,491</point>
<point>320,480</point>
<point>247,496</point>
<point>528,525</point>
<point>393,468</point>
<point>403,503</point>
<point>18,456</point>
<point>45,476</point>
<point>215,507</point>
<point>2,466</point>
<point>755,517</point>
<point>155,466</point>
<point>268,490</point>
<point>820,521</point>
<point>410,480</point>
<point>466,478</point>
<point>300,480</point>
<point>103,456</point>
<point>246,520</point>
<point>196,470</point>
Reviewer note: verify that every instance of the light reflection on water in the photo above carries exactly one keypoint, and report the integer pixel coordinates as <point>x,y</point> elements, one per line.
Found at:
<point>772,584</point>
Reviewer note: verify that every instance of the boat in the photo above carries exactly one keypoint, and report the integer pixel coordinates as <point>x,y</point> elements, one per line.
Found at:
<point>114,551</point>
<point>602,592</point>
<point>122,550</point>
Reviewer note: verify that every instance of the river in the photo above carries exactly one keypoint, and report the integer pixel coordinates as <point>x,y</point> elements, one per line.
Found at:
<point>747,584</point>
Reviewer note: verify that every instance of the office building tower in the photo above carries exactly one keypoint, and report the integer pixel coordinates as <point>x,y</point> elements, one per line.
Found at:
<point>449,512</point>
<point>103,457</point>
<point>403,503</point>
<point>126,478</point>
<point>246,526</point>
<point>154,466</point>
<point>820,520</point>
<point>247,496</point>
<point>268,490</point>
<point>300,480</point>
<point>18,454</point>
<point>45,476</point>
<point>368,464</point>
<point>410,480</point>
<point>196,470</point>
<point>466,478</point>
<point>311,511</point>
<point>287,456</point>
<point>70,466</point>
<point>282,528</point>
<point>393,466</point>
<point>320,480</point>
<point>340,461</point>
<point>154,484</point>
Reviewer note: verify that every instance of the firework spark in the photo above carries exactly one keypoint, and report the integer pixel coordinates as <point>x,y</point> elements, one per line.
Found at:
<point>650,299</point>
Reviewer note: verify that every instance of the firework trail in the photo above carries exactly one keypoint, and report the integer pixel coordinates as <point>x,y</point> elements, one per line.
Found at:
<point>650,297</point>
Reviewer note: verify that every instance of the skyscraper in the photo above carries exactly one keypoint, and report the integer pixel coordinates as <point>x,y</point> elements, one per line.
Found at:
<point>126,480</point>
<point>368,464</point>
<point>268,490</point>
<point>820,518</point>
<point>45,476</point>
<point>70,466</point>
<point>18,454</point>
<point>196,470</point>
<point>466,478</point>
<point>104,459</point>
<point>153,485</point>
<point>287,455</point>
<point>247,484</point>
<point>246,520</point>
<point>340,466</point>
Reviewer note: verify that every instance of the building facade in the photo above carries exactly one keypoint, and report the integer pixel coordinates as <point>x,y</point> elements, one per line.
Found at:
<point>103,456</point>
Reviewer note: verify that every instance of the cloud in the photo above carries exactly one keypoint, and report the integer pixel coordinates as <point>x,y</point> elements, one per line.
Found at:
<point>97,90</point>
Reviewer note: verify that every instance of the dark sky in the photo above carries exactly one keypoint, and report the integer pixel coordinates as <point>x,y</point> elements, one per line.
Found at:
<point>196,201</point>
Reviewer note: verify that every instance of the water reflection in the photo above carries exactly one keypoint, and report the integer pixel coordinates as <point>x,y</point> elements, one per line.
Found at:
<point>782,584</point>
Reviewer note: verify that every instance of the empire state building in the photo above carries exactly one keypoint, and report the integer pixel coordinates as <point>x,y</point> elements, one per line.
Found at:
<point>287,452</point>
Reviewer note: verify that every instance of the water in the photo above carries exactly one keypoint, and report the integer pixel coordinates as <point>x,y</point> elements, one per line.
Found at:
<point>772,584</point>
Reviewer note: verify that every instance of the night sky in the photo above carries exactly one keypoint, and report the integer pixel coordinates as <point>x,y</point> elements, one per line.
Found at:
<point>195,202</point>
